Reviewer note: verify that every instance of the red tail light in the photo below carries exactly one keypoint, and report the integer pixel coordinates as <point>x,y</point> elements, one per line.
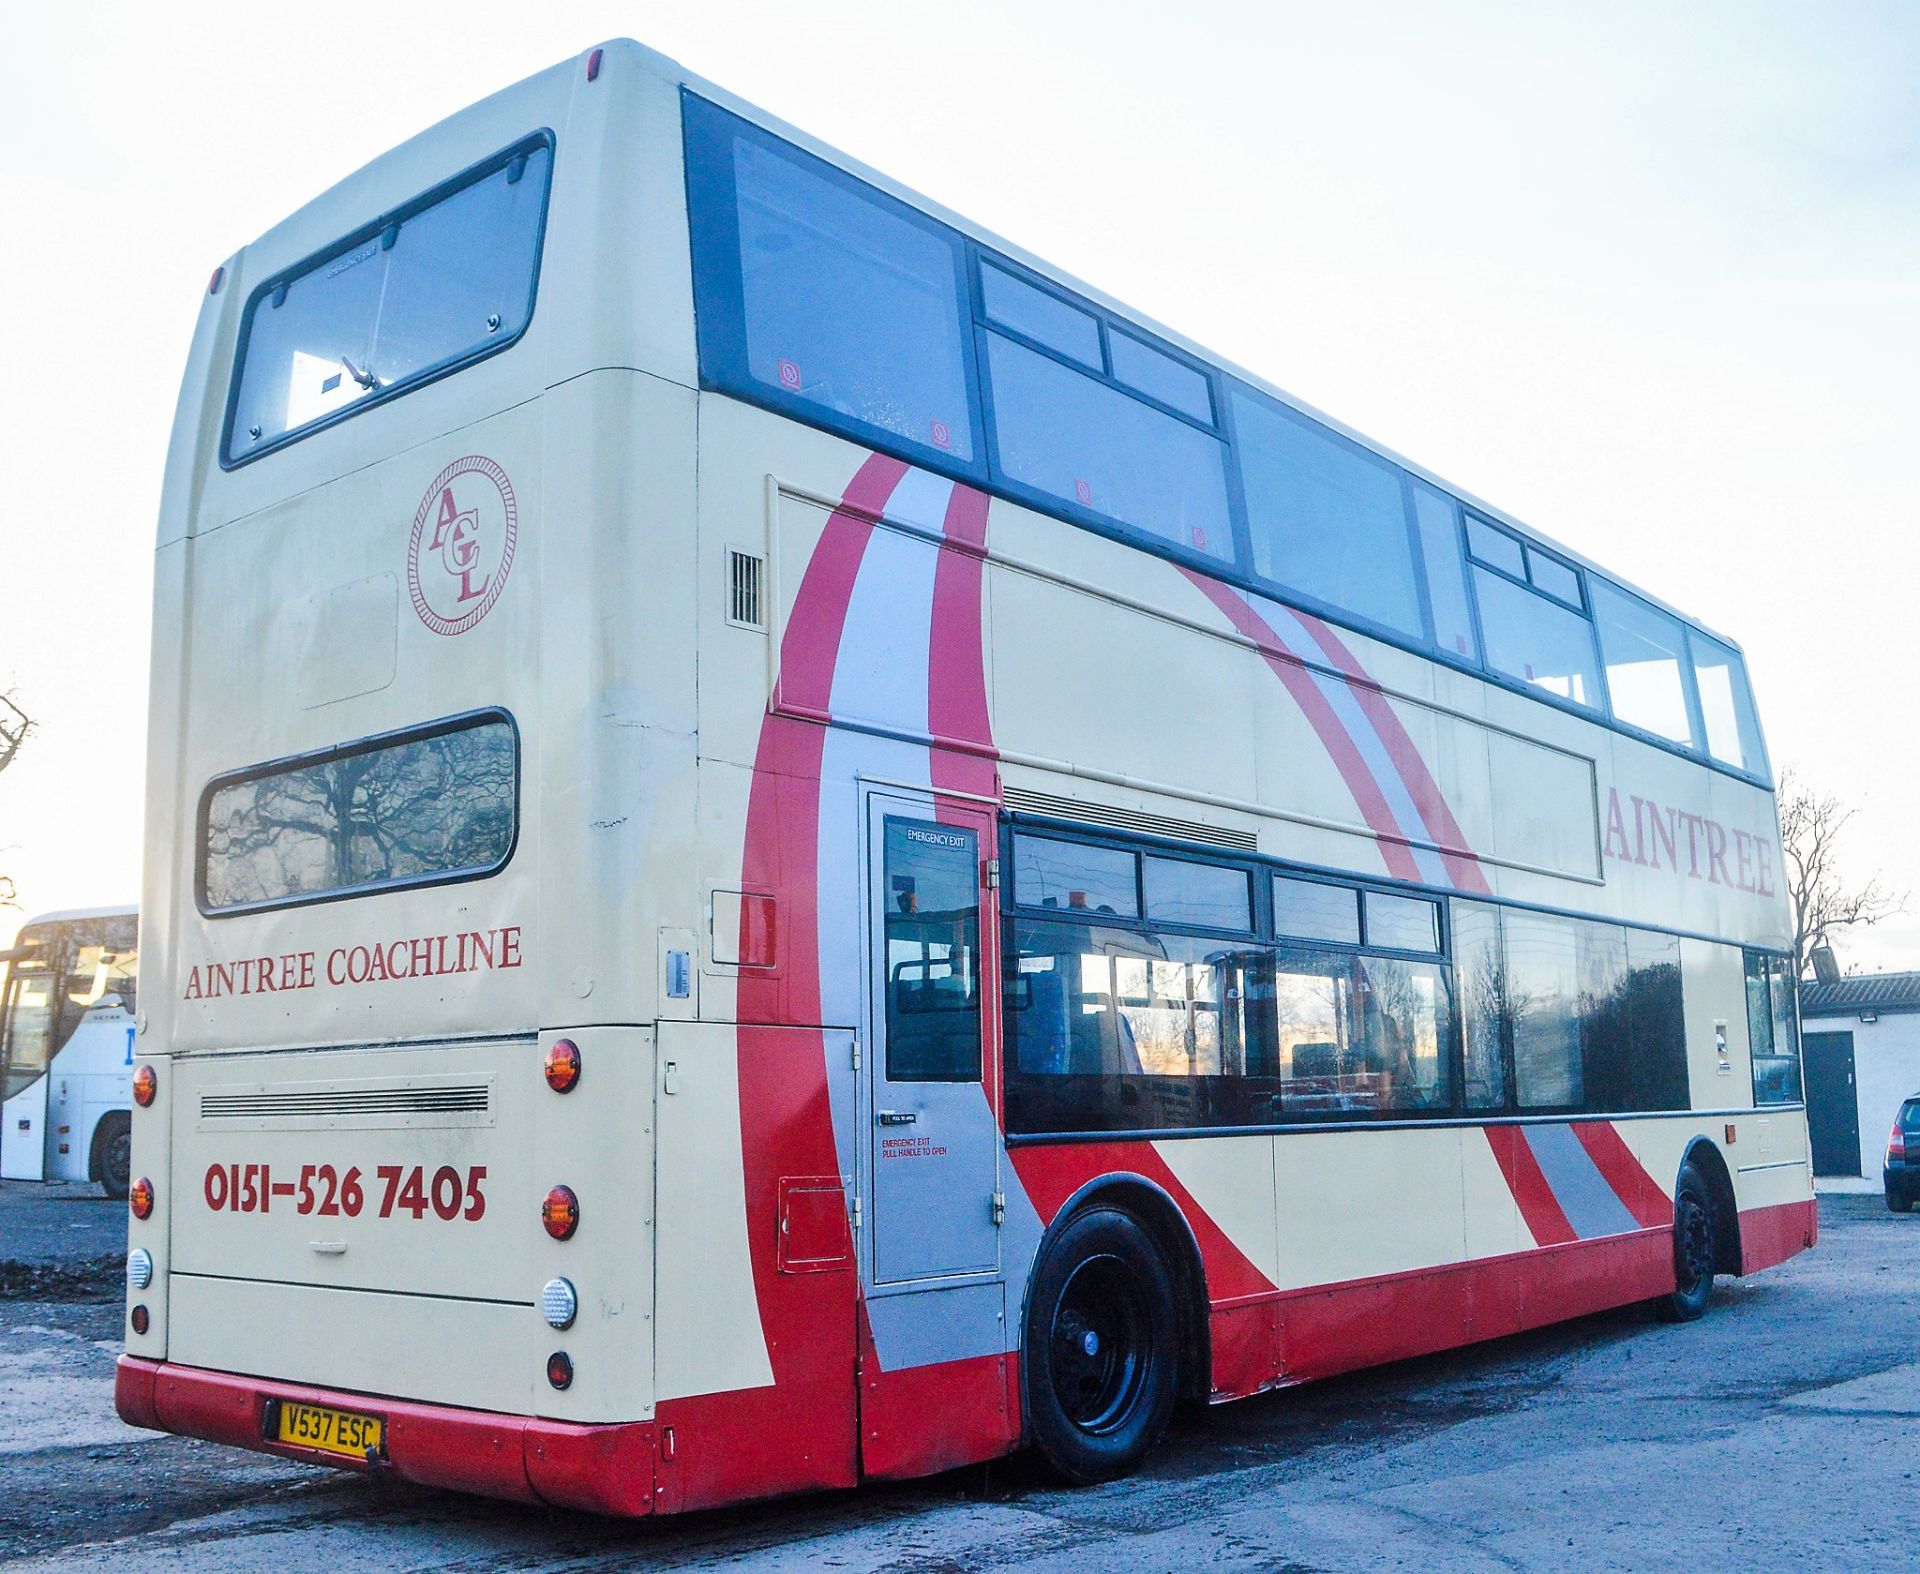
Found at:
<point>560,1369</point>
<point>1897,1144</point>
<point>146,1083</point>
<point>563,1065</point>
<point>560,1213</point>
<point>140,1198</point>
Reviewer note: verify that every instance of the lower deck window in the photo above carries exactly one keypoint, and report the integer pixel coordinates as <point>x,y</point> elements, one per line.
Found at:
<point>432,804</point>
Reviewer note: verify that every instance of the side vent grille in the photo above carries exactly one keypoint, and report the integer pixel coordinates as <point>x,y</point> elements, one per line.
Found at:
<point>745,576</point>
<point>1020,799</point>
<point>309,1102</point>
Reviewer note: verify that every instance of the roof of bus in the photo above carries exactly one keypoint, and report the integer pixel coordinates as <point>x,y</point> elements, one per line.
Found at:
<point>660,65</point>
<point>75,914</point>
<point>665,66</point>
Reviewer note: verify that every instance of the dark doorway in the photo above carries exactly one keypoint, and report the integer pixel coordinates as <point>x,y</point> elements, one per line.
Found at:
<point>1833,1104</point>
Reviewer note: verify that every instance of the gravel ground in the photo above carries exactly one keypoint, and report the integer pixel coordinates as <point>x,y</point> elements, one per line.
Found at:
<point>1776,1433</point>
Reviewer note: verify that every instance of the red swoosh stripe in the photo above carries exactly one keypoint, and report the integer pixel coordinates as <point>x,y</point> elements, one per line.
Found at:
<point>1611,1156</point>
<point>1541,1211</point>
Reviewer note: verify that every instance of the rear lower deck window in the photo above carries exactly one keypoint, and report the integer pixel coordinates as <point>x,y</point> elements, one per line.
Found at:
<point>438,803</point>
<point>446,280</point>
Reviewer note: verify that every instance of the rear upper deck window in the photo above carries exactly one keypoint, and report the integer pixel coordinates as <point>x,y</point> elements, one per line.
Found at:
<point>437,803</point>
<point>443,281</point>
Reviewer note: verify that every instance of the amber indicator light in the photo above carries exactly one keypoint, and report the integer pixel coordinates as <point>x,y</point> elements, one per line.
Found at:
<point>146,1083</point>
<point>140,1198</point>
<point>563,1065</point>
<point>560,1213</point>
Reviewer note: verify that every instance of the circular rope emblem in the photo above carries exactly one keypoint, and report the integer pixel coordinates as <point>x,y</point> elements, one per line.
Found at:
<point>461,549</point>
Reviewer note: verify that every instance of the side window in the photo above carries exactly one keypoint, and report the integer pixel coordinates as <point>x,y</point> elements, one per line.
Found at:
<point>814,290</point>
<point>1532,627</point>
<point>1773,1030</point>
<point>1086,443</point>
<point>1480,977</point>
<point>933,953</point>
<point>1175,384</point>
<point>1207,896</point>
<point>1308,910</point>
<point>1328,519</point>
<point>1041,317</point>
<point>1446,575</point>
<point>1726,705</point>
<point>1646,656</point>
<point>1361,1033</point>
<point>1048,872</point>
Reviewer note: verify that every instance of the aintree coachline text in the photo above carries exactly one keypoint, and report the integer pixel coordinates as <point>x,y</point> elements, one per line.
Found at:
<point>426,956</point>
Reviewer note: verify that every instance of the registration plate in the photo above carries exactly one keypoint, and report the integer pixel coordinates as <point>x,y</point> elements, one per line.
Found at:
<point>332,1431</point>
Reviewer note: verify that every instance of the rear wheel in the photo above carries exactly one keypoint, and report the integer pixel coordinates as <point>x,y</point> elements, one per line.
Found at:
<point>113,1156</point>
<point>1899,1201</point>
<point>1102,1347</point>
<point>1696,1243</point>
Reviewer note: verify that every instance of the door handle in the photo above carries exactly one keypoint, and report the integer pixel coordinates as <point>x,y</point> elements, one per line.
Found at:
<point>895,1117</point>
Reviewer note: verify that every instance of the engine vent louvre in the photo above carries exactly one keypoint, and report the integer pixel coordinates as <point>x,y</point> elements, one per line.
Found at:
<point>745,576</point>
<point>309,1102</point>
<point>1022,799</point>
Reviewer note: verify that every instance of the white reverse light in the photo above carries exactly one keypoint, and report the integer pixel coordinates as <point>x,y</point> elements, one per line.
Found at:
<point>139,1268</point>
<point>558,1303</point>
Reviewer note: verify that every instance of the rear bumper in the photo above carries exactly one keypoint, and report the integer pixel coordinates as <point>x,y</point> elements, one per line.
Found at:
<point>604,1469</point>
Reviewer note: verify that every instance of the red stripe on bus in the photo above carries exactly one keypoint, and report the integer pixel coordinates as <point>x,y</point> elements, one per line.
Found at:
<point>956,654</point>
<point>1394,843</point>
<point>1462,863</point>
<point>1611,1156</point>
<point>1539,1208</point>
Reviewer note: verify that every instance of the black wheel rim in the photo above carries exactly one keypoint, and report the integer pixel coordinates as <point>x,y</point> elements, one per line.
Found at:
<point>119,1160</point>
<point>1099,1345</point>
<point>1693,1245</point>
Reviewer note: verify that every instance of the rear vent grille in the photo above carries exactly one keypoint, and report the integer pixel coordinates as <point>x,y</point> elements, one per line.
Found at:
<point>745,575</point>
<point>1020,798</point>
<point>297,1103</point>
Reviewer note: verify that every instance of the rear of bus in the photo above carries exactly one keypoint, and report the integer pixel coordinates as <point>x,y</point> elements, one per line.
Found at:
<point>419,756</point>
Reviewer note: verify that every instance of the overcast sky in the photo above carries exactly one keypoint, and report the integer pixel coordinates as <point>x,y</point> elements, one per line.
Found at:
<point>1647,276</point>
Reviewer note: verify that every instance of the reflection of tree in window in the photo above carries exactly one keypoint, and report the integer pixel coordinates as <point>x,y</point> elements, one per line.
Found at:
<point>430,806</point>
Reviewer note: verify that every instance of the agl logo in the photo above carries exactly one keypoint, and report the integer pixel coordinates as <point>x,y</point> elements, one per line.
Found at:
<point>461,549</point>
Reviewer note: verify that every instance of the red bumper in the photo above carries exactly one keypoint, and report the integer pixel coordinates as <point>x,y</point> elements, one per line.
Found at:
<point>606,1469</point>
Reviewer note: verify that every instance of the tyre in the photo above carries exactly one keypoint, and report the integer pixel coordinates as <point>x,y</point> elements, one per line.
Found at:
<point>1898,1201</point>
<point>1696,1243</point>
<point>113,1156</point>
<point>1102,1347</point>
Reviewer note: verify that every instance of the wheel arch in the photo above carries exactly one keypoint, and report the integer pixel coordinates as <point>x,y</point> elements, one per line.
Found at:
<point>1163,1219</point>
<point>104,1124</point>
<point>1707,1158</point>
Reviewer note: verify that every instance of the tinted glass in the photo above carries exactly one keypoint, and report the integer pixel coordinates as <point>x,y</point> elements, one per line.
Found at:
<point>1495,547</point>
<point>1308,910</point>
<point>1536,640</point>
<point>1658,1010</point>
<point>1554,577</point>
<point>1446,575</point>
<point>444,283</point>
<point>1161,377</point>
<point>1109,1029</point>
<point>1041,317</point>
<point>1074,875</point>
<point>849,304</point>
<point>933,952</point>
<point>72,971</point>
<point>1360,1033</point>
<point>1402,923</point>
<point>1203,895</point>
<point>1645,652</point>
<point>1772,1031</point>
<point>1726,705</point>
<point>1088,444</point>
<point>1480,976</point>
<point>1328,519</point>
<point>1542,991</point>
<point>434,806</point>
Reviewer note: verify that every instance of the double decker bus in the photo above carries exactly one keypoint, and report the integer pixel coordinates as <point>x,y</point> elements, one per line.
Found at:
<point>67,1014</point>
<point>786,847</point>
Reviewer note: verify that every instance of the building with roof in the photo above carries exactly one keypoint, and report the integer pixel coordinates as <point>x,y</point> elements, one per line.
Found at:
<point>1861,1050</point>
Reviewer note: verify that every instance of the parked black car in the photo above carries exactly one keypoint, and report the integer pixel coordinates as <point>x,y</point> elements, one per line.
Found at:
<point>1901,1173</point>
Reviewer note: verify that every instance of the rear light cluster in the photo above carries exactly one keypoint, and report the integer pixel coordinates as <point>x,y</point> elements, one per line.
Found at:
<point>146,1084</point>
<point>1897,1144</point>
<point>140,1198</point>
<point>560,1213</point>
<point>562,1065</point>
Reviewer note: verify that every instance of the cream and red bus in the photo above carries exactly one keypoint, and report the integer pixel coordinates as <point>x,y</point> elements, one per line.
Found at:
<point>784,846</point>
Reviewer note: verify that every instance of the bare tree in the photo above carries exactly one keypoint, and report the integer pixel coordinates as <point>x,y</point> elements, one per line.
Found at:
<point>1824,899</point>
<point>15,724</point>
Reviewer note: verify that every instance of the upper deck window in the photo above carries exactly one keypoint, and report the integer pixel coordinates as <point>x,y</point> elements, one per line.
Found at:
<point>823,294</point>
<point>1645,653</point>
<point>1726,705</point>
<point>441,282</point>
<point>434,804</point>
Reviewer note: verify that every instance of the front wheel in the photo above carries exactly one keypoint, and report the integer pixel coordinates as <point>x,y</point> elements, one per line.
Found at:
<point>114,1161</point>
<point>1695,1249</point>
<point>1102,1347</point>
